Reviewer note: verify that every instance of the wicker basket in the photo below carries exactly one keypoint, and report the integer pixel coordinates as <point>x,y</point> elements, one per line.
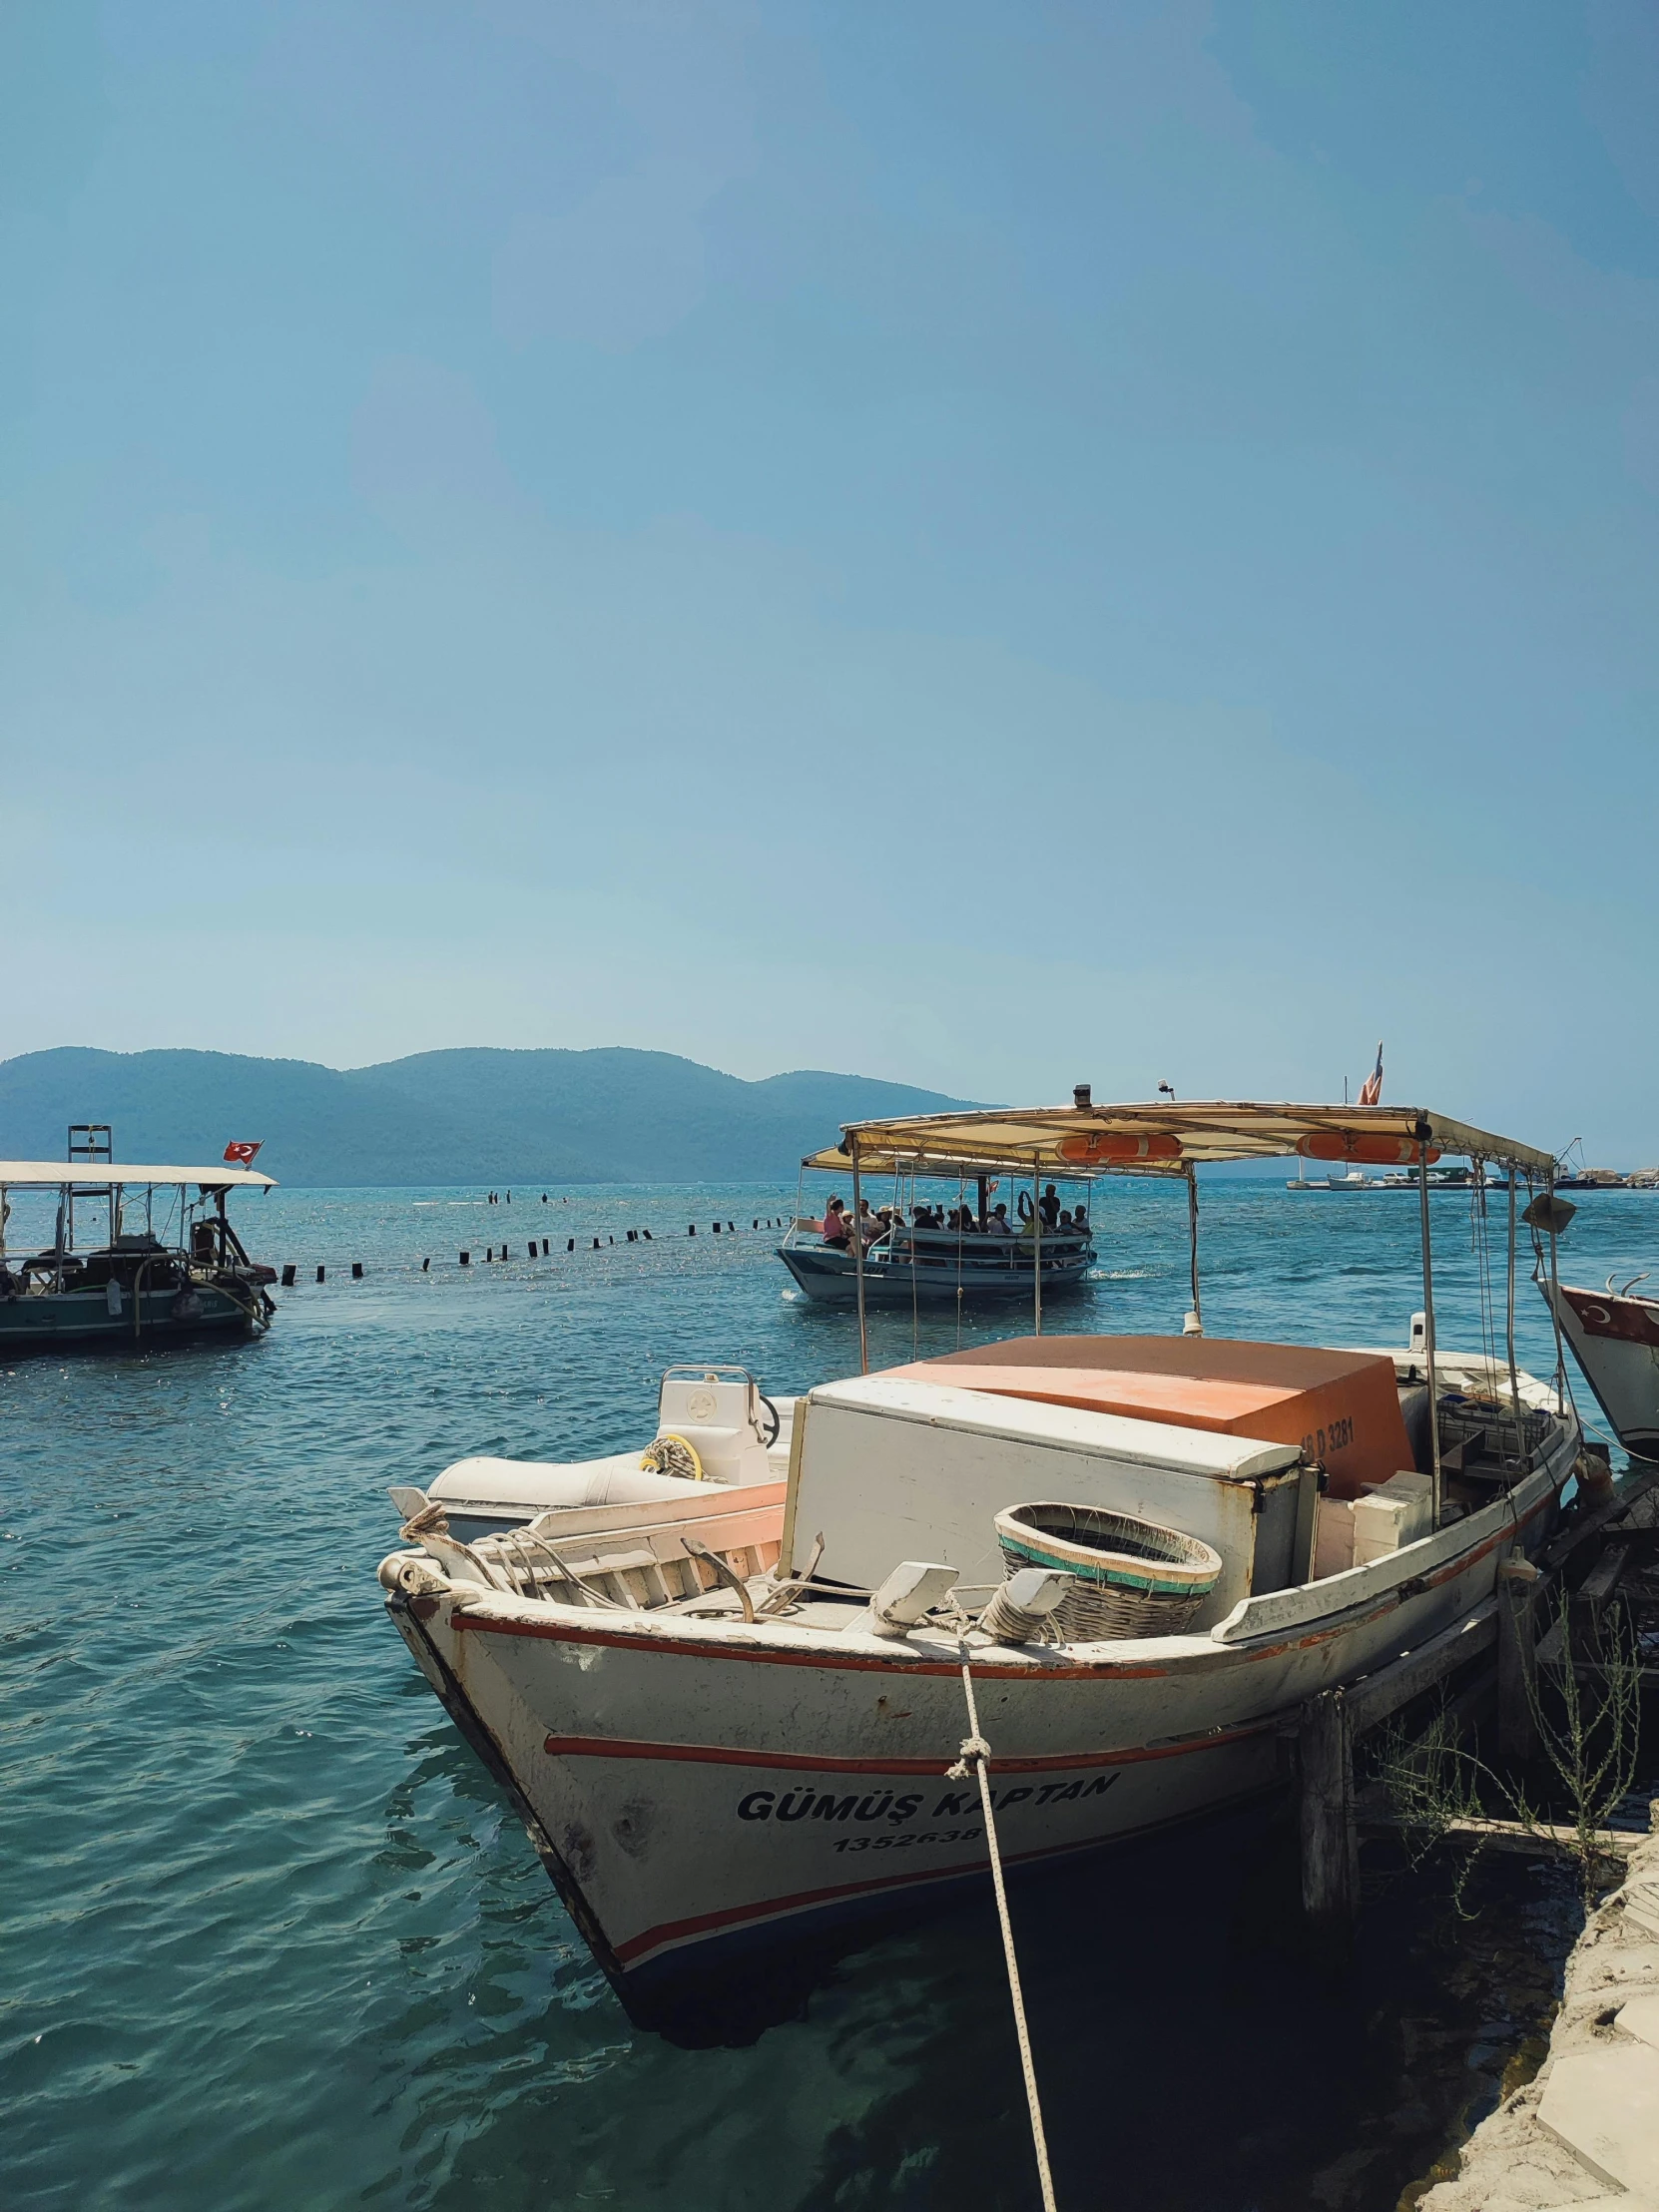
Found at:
<point>1130,1578</point>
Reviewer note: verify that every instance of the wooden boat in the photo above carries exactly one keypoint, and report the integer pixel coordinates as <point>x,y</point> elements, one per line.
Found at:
<point>1026,1260</point>
<point>131,1284</point>
<point>934,1267</point>
<point>726,1716</point>
<point>1614,1337</point>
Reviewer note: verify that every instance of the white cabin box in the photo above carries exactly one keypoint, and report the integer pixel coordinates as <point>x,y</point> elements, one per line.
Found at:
<point>1392,1515</point>
<point>890,1471</point>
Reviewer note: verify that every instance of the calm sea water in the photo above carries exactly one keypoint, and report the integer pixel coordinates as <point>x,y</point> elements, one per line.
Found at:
<point>271,1939</point>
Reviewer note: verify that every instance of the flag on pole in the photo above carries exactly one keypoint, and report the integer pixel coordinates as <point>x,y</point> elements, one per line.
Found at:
<point>242,1155</point>
<point>1370,1091</point>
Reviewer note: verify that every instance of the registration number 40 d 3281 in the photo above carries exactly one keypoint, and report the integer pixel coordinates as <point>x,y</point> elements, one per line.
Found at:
<point>901,1842</point>
<point>1323,1442</point>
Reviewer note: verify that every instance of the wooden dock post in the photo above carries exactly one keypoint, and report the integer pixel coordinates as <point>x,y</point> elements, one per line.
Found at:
<point>1330,1841</point>
<point>1518,1663</point>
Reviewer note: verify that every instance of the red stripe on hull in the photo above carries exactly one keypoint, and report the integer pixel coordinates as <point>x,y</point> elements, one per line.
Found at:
<point>793,1762</point>
<point>672,1933</point>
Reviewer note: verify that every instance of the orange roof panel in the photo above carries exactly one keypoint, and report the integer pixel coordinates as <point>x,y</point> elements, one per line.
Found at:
<point>1339,1407</point>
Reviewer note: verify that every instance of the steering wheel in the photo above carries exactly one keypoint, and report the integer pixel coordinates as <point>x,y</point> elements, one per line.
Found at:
<point>777,1419</point>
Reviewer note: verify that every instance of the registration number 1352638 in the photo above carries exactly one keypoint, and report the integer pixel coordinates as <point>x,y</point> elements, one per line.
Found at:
<point>904,1843</point>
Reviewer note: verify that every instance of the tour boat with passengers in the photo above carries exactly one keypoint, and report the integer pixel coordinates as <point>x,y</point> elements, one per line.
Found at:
<point>912,1254</point>
<point>725,1683</point>
<point>133,1259</point>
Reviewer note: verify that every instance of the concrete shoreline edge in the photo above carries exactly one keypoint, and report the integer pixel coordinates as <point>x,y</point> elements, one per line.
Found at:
<point>1585,2131</point>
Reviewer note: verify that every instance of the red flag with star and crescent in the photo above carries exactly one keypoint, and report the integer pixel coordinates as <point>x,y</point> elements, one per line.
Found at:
<point>242,1155</point>
<point>1371,1093</point>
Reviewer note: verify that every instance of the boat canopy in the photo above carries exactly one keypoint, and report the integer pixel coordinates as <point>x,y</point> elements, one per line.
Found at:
<point>99,1174</point>
<point>1158,1139</point>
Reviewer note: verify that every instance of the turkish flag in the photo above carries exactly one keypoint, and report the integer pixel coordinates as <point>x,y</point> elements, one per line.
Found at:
<point>242,1155</point>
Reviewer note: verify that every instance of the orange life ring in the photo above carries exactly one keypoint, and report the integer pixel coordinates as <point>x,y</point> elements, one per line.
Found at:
<point>1087,1148</point>
<point>1380,1151</point>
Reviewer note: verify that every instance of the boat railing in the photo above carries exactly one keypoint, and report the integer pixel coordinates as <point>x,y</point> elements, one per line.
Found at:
<point>151,1266</point>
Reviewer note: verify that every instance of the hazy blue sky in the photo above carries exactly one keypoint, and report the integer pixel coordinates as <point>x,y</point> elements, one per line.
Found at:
<point>986,544</point>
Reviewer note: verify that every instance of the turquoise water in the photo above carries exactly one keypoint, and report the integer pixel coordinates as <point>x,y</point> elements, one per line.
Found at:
<point>271,1939</point>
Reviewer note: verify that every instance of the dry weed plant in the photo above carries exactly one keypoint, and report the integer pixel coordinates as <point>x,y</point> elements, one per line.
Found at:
<point>1588,1741</point>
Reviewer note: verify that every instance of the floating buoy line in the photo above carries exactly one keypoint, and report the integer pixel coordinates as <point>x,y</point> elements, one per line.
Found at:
<point>533,1249</point>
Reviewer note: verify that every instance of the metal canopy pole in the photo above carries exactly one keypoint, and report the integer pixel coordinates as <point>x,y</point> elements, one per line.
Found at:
<point>1192,1234</point>
<point>1514,1379</point>
<point>1037,1245</point>
<point>1428,1314</point>
<point>1555,1299</point>
<point>859,1262</point>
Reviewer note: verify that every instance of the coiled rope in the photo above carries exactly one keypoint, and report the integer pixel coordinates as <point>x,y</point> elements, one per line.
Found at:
<point>976,1754</point>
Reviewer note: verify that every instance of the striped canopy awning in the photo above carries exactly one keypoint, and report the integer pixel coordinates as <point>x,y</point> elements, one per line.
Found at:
<point>96,1174</point>
<point>1158,1139</point>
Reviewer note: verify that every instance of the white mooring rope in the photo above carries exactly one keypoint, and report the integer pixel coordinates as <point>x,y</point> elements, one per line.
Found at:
<point>978,1752</point>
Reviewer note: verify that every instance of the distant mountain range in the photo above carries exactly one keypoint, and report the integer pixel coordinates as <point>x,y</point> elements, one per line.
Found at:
<point>472,1115</point>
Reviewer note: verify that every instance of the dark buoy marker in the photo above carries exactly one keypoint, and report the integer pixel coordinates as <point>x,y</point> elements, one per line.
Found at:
<point>466,1258</point>
<point>356,1270</point>
<point>425,1265</point>
<point>319,1274</point>
<point>287,1278</point>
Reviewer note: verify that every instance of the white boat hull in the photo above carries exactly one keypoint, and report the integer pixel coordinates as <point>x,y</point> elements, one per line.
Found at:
<point>700,1785</point>
<point>1617,1342</point>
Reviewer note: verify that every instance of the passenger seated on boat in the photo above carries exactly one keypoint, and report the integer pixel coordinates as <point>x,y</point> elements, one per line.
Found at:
<point>835,1224</point>
<point>1065,1221</point>
<point>999,1225</point>
<point>1080,1221</point>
